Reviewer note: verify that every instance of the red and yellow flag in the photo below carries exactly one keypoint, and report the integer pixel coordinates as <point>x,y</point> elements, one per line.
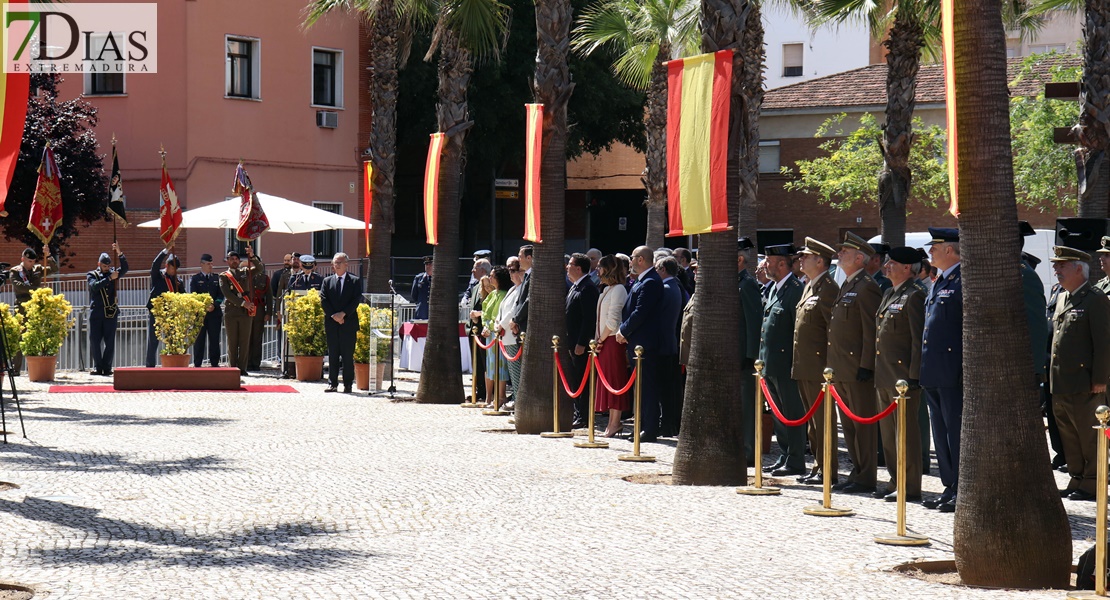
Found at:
<point>698,93</point>
<point>14,92</point>
<point>431,188</point>
<point>533,159</point>
<point>170,209</point>
<point>46,208</point>
<point>948,36</point>
<point>367,198</point>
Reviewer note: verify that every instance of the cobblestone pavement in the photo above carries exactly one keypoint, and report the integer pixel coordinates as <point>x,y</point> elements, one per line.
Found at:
<point>313,495</point>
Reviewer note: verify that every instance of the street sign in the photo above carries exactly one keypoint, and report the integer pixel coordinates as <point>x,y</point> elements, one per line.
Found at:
<point>507,194</point>
<point>506,183</point>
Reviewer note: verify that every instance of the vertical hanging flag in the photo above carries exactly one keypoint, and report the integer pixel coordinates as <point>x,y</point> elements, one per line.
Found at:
<point>15,88</point>
<point>533,159</point>
<point>948,36</point>
<point>431,188</point>
<point>117,201</point>
<point>46,208</point>
<point>170,208</point>
<point>698,94</point>
<point>252,219</point>
<point>367,198</point>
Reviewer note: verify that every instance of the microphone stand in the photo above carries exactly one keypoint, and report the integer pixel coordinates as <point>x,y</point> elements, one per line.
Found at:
<point>392,389</point>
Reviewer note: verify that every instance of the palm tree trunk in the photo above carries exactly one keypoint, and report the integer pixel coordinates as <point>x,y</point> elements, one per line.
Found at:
<point>655,130</point>
<point>383,142</point>
<point>441,374</point>
<point>907,36</point>
<point>1094,100</point>
<point>751,91</point>
<point>546,310</point>
<point>1010,526</point>
<point>711,446</point>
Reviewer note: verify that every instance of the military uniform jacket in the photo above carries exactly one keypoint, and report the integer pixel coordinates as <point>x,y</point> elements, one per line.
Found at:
<point>209,283</point>
<point>24,282</point>
<point>882,281</point>
<point>421,292</point>
<point>1080,352</point>
<point>302,283</point>
<point>811,328</point>
<point>233,300</point>
<point>160,281</point>
<point>852,327</point>
<point>1035,309</point>
<point>751,310</point>
<point>263,296</point>
<point>1103,285</point>
<point>102,291</point>
<point>942,346</point>
<point>776,342</point>
<point>898,329</point>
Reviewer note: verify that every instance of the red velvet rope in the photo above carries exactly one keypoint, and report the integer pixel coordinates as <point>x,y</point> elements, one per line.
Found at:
<point>563,376</point>
<point>605,382</point>
<point>478,340</point>
<point>516,357</point>
<point>854,417</point>
<point>778,413</point>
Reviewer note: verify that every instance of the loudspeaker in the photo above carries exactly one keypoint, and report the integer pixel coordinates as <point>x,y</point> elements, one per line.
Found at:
<point>1081,234</point>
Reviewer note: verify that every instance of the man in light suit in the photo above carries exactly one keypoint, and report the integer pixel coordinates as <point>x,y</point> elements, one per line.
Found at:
<point>581,314</point>
<point>641,326</point>
<point>339,297</point>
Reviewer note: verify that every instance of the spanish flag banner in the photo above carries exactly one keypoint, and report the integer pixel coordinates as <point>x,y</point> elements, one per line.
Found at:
<point>15,89</point>
<point>431,187</point>
<point>698,91</point>
<point>533,159</point>
<point>367,198</point>
<point>948,36</point>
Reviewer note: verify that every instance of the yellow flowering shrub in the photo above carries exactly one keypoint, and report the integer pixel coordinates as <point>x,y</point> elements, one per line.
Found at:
<point>365,336</point>
<point>12,328</point>
<point>45,322</point>
<point>373,324</point>
<point>304,324</point>
<point>178,319</point>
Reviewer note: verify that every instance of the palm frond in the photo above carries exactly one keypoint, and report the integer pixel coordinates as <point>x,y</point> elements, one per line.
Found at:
<point>1041,7</point>
<point>600,26</point>
<point>317,9</point>
<point>482,25</point>
<point>633,68</point>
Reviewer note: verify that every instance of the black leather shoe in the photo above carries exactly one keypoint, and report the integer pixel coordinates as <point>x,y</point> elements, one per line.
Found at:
<point>1065,493</point>
<point>882,493</point>
<point>1058,461</point>
<point>948,507</point>
<point>95,372</point>
<point>857,488</point>
<point>346,390</point>
<point>1081,496</point>
<point>938,501</point>
<point>788,472</point>
<point>648,437</point>
<point>579,425</point>
<point>1062,468</point>
<point>330,389</point>
<point>839,486</point>
<point>778,464</point>
<point>806,476</point>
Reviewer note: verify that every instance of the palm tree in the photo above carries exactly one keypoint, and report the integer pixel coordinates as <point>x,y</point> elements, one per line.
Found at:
<point>642,35</point>
<point>1010,526</point>
<point>710,446</point>
<point>546,317</point>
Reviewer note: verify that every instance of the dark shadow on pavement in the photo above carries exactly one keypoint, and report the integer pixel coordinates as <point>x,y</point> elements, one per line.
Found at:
<point>42,413</point>
<point>44,458</point>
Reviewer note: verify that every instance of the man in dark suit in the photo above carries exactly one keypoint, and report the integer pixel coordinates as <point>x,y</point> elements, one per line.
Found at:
<point>942,352</point>
<point>581,313</point>
<point>776,349</point>
<point>641,326</point>
<point>751,318</point>
<point>207,282</point>
<point>162,280</point>
<point>670,315</point>
<point>520,321</point>
<point>339,297</point>
<point>685,273</point>
<point>422,291</point>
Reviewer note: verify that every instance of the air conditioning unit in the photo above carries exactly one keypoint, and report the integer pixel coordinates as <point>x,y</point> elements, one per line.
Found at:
<point>327,118</point>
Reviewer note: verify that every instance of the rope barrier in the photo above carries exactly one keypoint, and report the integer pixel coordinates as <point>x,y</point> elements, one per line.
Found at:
<point>514,358</point>
<point>864,421</point>
<point>478,340</point>
<point>605,382</point>
<point>563,376</point>
<point>782,418</point>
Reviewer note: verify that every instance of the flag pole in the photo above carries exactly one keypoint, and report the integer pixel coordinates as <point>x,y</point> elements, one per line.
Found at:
<point>115,240</point>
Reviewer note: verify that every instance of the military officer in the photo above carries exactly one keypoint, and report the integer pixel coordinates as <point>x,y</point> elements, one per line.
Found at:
<point>751,312</point>
<point>899,325</point>
<point>104,309</point>
<point>776,349</point>
<point>852,358</point>
<point>207,282</point>
<point>27,277</point>
<point>279,282</point>
<point>263,299</point>
<point>1080,365</point>
<point>422,290</point>
<point>877,263</point>
<point>238,308</point>
<point>942,351</point>
<point>811,341</point>
<point>308,278</point>
<point>162,280</point>
<point>1103,284</point>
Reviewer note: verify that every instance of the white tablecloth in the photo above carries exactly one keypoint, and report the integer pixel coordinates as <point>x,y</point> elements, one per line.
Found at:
<point>412,353</point>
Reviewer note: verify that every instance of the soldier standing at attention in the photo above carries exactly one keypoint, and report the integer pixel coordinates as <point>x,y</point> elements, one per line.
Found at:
<point>308,278</point>
<point>422,290</point>
<point>27,277</point>
<point>776,349</point>
<point>207,282</point>
<point>104,310</point>
<point>162,280</point>
<point>263,299</point>
<point>239,308</point>
<point>1080,365</point>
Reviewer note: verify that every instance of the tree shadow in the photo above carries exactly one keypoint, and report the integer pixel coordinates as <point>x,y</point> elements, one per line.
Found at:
<point>45,458</point>
<point>43,413</point>
<point>284,546</point>
<point>1082,527</point>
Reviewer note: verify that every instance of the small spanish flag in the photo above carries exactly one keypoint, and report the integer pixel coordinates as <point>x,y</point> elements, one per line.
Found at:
<point>948,36</point>
<point>698,94</point>
<point>431,188</point>
<point>533,159</point>
<point>367,198</point>
<point>15,89</point>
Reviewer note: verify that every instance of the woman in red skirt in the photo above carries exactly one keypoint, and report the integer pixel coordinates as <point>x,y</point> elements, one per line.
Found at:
<point>612,359</point>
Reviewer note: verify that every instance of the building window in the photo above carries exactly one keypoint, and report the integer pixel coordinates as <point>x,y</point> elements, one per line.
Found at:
<point>326,243</point>
<point>327,77</point>
<point>242,68</point>
<point>233,243</point>
<point>791,60</point>
<point>104,81</point>
<point>1043,48</point>
<point>769,156</point>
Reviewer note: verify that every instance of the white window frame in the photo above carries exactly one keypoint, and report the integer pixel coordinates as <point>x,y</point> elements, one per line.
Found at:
<point>338,77</point>
<point>88,77</point>
<point>256,67</point>
<point>763,170</point>
<point>338,233</point>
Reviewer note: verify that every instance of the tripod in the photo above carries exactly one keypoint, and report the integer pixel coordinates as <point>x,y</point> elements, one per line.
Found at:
<point>5,364</point>
<point>392,389</point>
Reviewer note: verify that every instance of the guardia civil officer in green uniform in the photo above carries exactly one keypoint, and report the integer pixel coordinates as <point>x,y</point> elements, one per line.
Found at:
<point>1104,259</point>
<point>238,308</point>
<point>776,349</point>
<point>27,277</point>
<point>751,318</point>
<point>1080,365</point>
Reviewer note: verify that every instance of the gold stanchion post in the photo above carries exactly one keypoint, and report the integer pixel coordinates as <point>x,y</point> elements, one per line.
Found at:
<point>900,537</point>
<point>826,508</point>
<point>758,489</point>
<point>1102,413</point>
<point>496,412</point>
<point>473,371</point>
<point>636,456</point>
<point>555,433</point>
<point>592,374</point>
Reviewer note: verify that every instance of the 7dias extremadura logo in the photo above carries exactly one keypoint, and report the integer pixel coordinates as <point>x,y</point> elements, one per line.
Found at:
<point>80,38</point>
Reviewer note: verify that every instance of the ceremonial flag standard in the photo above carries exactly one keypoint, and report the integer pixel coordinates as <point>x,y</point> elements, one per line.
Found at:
<point>948,36</point>
<point>698,94</point>
<point>252,219</point>
<point>15,88</point>
<point>431,188</point>
<point>533,159</point>
<point>367,198</point>
<point>117,201</point>
<point>170,208</point>
<point>46,208</point>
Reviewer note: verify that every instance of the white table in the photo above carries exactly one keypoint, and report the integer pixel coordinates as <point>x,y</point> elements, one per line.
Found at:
<point>413,336</point>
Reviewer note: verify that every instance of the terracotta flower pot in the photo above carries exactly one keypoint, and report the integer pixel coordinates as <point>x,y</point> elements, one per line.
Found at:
<point>41,368</point>
<point>309,368</point>
<point>177,361</point>
<point>362,376</point>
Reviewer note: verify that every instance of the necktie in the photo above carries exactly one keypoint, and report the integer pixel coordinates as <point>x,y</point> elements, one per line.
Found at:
<point>341,278</point>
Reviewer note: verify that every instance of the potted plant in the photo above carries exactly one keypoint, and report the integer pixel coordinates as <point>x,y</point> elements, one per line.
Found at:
<point>304,325</point>
<point>364,341</point>
<point>45,324</point>
<point>12,330</point>
<point>382,321</point>
<point>178,319</point>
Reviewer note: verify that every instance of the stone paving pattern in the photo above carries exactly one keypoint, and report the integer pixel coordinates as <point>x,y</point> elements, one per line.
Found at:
<point>313,495</point>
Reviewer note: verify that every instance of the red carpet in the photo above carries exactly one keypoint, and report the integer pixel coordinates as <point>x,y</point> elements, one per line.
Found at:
<point>107,389</point>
